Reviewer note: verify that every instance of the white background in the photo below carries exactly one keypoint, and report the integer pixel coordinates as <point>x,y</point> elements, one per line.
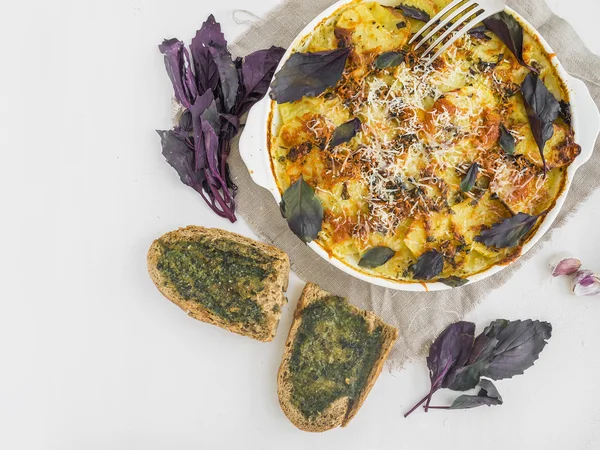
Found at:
<point>91,355</point>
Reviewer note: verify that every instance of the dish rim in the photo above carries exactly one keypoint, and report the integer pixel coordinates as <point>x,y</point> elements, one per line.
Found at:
<point>254,150</point>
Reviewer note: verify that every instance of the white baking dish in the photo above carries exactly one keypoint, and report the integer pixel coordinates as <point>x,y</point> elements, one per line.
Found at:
<point>254,152</point>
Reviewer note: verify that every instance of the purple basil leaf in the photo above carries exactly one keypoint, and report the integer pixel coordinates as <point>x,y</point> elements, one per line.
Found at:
<point>207,74</point>
<point>486,341</point>
<point>234,121</point>
<point>179,156</point>
<point>506,140</point>
<point>303,210</point>
<point>429,265</point>
<point>488,395</point>
<point>542,110</point>
<point>345,132</point>
<point>376,256</point>
<point>467,377</point>
<point>479,32</point>
<point>469,179</point>
<point>212,116</point>
<point>172,49</point>
<point>509,232</point>
<point>241,93</point>
<point>257,71</point>
<point>454,281</point>
<point>197,109</point>
<point>215,184</point>
<point>228,76</point>
<point>185,121</point>
<point>503,350</point>
<point>189,77</point>
<point>202,102</point>
<point>450,351</point>
<point>519,346</point>
<point>464,378</point>
<point>509,30</point>
<point>211,147</point>
<point>414,13</point>
<point>308,74</point>
<point>389,59</point>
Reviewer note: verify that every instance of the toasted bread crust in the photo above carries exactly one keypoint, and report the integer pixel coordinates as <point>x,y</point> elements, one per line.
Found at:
<point>271,298</point>
<point>340,412</point>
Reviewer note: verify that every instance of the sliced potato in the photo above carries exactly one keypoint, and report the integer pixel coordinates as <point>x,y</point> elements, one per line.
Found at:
<point>416,238</point>
<point>383,37</point>
<point>531,193</point>
<point>470,216</point>
<point>559,151</point>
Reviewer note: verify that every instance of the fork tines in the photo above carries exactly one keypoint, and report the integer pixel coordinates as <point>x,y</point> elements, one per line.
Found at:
<point>458,17</point>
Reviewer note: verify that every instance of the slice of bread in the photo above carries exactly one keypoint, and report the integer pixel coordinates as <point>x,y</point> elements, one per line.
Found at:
<point>329,353</point>
<point>222,278</point>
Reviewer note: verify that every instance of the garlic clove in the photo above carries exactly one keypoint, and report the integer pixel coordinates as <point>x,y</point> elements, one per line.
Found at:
<point>566,266</point>
<point>585,282</point>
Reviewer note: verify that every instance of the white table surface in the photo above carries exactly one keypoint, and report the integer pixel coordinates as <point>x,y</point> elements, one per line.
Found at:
<point>92,357</point>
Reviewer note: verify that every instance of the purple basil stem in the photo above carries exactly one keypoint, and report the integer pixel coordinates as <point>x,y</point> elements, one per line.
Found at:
<point>199,146</point>
<point>197,109</point>
<point>450,350</point>
<point>211,145</point>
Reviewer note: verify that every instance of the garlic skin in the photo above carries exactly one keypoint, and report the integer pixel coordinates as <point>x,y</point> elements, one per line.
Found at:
<point>585,283</point>
<point>566,266</point>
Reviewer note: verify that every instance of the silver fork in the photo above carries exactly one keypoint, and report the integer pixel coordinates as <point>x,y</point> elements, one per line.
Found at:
<point>462,11</point>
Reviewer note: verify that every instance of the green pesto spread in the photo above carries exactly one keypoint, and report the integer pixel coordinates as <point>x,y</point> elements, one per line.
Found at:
<point>332,356</point>
<point>220,275</point>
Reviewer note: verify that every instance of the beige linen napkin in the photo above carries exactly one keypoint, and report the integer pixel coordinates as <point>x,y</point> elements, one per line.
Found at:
<point>419,317</point>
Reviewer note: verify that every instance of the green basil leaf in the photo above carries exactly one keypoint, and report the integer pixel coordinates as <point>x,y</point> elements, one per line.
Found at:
<point>454,281</point>
<point>469,179</point>
<point>414,13</point>
<point>376,256</point>
<point>509,232</point>
<point>542,110</point>
<point>345,132</point>
<point>488,395</point>
<point>308,74</point>
<point>389,59</point>
<point>507,140</point>
<point>429,265</point>
<point>303,210</point>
